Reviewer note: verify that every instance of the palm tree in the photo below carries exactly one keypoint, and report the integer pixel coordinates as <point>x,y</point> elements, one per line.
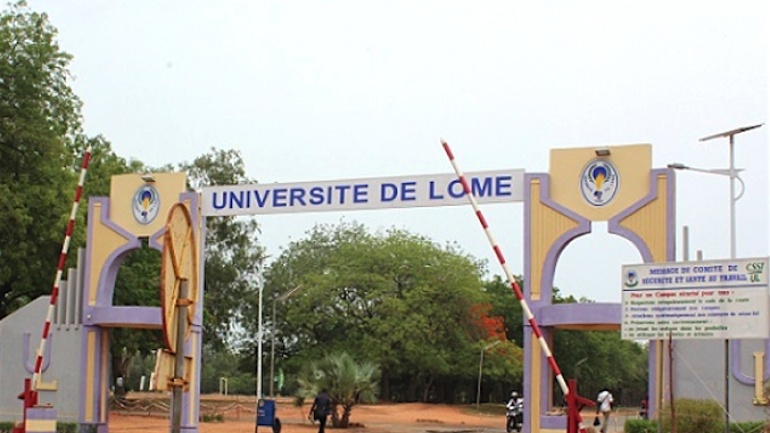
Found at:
<point>347,382</point>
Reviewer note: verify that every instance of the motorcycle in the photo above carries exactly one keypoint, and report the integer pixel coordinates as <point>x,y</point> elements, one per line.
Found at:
<point>514,416</point>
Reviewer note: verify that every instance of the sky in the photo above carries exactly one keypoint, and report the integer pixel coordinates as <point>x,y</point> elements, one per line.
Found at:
<point>312,91</point>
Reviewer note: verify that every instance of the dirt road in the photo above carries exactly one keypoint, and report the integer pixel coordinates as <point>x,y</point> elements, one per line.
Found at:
<point>239,417</point>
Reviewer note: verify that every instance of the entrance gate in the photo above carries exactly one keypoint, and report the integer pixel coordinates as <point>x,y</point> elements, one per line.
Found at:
<point>614,184</point>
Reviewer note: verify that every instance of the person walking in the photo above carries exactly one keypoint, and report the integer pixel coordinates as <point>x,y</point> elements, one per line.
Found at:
<point>320,410</point>
<point>604,405</point>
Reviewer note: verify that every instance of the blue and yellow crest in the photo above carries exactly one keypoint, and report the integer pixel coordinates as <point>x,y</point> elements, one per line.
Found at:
<point>599,182</point>
<point>145,204</point>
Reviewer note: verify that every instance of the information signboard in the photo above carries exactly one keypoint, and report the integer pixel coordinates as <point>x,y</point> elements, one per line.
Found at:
<point>716,299</point>
<point>498,186</point>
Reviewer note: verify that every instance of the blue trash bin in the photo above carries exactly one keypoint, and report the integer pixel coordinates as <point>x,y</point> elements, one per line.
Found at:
<point>265,412</point>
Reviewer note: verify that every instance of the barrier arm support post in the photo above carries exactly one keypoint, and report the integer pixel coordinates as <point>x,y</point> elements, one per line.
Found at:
<point>574,404</point>
<point>178,381</point>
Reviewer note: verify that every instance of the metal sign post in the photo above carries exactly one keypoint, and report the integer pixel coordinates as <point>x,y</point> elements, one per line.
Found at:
<point>178,381</point>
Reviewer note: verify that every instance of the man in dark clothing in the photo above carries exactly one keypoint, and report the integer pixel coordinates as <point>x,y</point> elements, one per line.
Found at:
<point>320,409</point>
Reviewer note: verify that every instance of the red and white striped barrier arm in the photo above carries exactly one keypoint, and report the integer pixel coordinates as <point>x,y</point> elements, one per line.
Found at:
<point>60,269</point>
<point>519,295</point>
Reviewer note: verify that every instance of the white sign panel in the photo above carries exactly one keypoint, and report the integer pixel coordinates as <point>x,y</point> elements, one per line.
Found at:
<point>716,299</point>
<point>499,186</point>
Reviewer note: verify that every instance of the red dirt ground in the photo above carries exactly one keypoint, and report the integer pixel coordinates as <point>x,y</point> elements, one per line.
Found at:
<point>239,417</point>
<point>380,418</point>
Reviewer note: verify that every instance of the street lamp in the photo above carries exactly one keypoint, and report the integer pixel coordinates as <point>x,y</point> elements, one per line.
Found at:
<point>732,173</point>
<point>481,364</point>
<point>260,288</point>
<point>279,298</point>
<point>578,364</point>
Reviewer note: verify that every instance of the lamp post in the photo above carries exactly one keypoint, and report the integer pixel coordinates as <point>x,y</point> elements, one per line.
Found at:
<point>732,173</point>
<point>280,298</point>
<point>578,364</point>
<point>481,365</point>
<point>260,288</point>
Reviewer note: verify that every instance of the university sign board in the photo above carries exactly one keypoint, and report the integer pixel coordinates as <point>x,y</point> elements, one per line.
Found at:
<point>715,299</point>
<point>497,186</point>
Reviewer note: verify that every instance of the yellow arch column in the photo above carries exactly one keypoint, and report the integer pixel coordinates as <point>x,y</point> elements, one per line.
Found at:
<point>547,224</point>
<point>136,209</point>
<point>637,203</point>
<point>106,240</point>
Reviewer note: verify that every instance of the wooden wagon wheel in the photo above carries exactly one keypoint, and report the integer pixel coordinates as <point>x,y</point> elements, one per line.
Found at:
<point>178,262</point>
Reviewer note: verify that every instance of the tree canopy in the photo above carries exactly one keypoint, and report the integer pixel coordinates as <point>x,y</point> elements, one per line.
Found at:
<point>412,307</point>
<point>39,121</point>
<point>233,254</point>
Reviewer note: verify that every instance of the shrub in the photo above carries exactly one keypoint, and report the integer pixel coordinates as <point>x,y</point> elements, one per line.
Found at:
<point>66,427</point>
<point>61,427</point>
<point>212,417</point>
<point>693,416</point>
<point>640,426</point>
<point>747,427</point>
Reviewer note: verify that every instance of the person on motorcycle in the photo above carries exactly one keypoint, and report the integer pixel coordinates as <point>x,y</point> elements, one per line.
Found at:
<point>514,401</point>
<point>514,415</point>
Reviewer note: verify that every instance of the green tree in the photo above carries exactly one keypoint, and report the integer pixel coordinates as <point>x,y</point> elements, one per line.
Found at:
<point>394,298</point>
<point>224,364</point>
<point>233,254</point>
<point>41,151</point>
<point>39,121</point>
<point>142,366</point>
<point>347,382</point>
<point>506,305</point>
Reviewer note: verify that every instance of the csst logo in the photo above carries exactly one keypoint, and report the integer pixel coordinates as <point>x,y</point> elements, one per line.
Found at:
<point>145,204</point>
<point>755,271</point>
<point>599,182</point>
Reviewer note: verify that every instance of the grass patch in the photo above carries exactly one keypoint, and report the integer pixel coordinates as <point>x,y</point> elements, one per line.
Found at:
<point>212,417</point>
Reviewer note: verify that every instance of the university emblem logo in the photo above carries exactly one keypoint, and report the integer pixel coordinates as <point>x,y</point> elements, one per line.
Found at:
<point>145,204</point>
<point>631,279</point>
<point>599,182</point>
